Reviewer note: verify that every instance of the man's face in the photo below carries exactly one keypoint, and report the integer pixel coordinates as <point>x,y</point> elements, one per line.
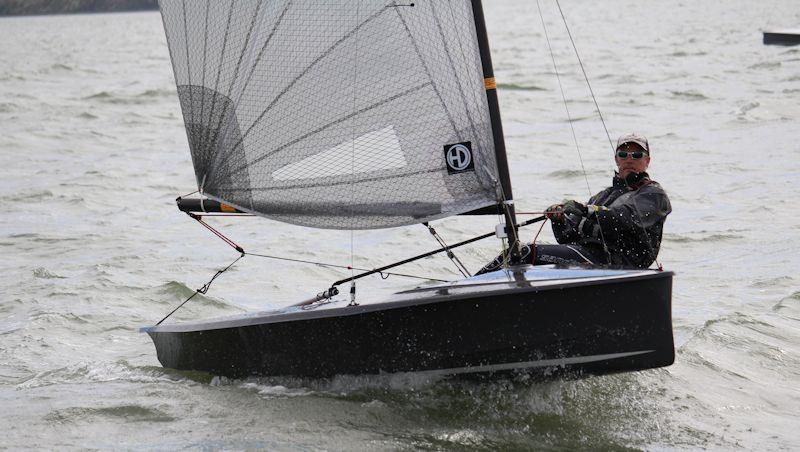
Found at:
<point>629,164</point>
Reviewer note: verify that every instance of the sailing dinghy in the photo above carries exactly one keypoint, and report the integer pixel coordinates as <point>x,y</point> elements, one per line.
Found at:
<point>354,114</point>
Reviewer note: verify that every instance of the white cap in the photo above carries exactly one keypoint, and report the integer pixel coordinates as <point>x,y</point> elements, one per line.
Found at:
<point>634,138</point>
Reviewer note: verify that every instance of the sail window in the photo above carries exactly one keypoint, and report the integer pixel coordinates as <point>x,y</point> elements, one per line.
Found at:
<point>373,151</point>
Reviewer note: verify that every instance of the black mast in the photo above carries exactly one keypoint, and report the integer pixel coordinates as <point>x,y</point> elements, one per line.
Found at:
<point>497,130</point>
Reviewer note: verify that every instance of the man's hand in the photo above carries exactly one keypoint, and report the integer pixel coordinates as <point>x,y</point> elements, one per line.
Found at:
<point>574,208</point>
<point>555,212</point>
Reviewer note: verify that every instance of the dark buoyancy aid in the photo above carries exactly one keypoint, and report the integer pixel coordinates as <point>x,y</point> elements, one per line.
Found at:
<point>627,226</point>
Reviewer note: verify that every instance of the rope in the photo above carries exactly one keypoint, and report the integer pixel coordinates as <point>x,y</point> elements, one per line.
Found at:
<point>533,244</point>
<point>203,289</point>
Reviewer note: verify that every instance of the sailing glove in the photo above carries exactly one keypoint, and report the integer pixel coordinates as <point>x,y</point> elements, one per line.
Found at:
<point>575,208</point>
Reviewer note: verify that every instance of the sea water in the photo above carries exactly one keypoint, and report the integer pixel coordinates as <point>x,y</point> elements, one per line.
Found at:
<point>93,153</point>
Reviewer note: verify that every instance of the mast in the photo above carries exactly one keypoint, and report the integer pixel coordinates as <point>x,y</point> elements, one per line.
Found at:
<point>497,131</point>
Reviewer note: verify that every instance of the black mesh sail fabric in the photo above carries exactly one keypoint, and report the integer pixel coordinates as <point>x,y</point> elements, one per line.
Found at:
<point>339,114</point>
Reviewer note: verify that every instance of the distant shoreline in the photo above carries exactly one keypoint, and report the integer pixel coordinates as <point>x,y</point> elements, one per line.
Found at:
<point>10,8</point>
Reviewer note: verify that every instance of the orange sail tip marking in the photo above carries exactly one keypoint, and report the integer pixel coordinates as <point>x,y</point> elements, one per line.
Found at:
<point>490,83</point>
<point>226,208</point>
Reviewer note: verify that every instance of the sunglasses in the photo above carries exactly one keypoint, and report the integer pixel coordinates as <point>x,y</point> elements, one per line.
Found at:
<point>636,155</point>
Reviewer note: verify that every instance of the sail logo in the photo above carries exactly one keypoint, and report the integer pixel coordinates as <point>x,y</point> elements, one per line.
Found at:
<point>458,157</point>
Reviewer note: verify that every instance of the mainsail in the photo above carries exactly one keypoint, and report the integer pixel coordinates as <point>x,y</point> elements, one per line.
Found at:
<point>343,114</point>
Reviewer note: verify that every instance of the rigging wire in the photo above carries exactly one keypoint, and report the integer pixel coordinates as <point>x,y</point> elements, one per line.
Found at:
<point>599,114</point>
<point>566,107</point>
<point>203,289</point>
<point>585,77</point>
<point>381,270</point>
<point>564,97</point>
<point>608,135</point>
<point>353,154</point>
<point>241,250</point>
<point>459,265</point>
<point>346,267</point>
<point>189,194</point>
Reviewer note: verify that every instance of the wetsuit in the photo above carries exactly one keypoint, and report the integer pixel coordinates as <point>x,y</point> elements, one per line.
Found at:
<point>628,217</point>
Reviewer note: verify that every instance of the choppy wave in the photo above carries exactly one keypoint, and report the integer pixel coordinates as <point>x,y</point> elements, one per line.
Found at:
<point>128,413</point>
<point>789,306</point>
<point>62,67</point>
<point>175,290</point>
<point>41,272</point>
<point>59,317</point>
<point>46,239</point>
<point>713,237</point>
<point>157,93</point>
<point>572,174</point>
<point>744,109</point>
<point>686,53</point>
<point>8,107</point>
<point>519,87</point>
<point>15,77</point>
<point>99,96</point>
<point>30,196</point>
<point>726,342</point>
<point>773,282</point>
<point>125,99</point>
<point>765,65</point>
<point>689,95</point>
<point>101,372</point>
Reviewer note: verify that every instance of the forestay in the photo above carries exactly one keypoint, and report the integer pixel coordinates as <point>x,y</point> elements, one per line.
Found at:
<point>346,114</point>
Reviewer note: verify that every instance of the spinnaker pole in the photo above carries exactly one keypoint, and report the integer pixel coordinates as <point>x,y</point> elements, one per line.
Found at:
<point>497,131</point>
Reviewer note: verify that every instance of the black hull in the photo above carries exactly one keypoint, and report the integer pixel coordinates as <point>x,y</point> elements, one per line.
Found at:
<point>577,327</point>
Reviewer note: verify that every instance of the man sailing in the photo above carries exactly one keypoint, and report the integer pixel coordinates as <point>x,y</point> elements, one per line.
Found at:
<point>619,227</point>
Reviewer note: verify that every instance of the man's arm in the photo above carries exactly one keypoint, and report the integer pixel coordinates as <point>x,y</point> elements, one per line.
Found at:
<point>644,209</point>
<point>566,230</point>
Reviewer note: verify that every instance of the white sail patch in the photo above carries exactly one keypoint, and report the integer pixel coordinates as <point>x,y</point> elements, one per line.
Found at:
<point>374,151</point>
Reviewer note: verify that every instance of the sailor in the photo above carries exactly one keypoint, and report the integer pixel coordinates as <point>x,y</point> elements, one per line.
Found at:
<point>619,227</point>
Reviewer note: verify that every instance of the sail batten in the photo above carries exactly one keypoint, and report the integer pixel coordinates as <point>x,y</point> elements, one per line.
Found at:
<point>291,106</point>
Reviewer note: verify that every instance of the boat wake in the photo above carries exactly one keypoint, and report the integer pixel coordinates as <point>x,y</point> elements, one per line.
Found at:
<point>509,413</point>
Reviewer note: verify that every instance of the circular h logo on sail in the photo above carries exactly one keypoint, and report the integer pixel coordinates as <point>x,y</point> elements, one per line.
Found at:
<point>458,157</point>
